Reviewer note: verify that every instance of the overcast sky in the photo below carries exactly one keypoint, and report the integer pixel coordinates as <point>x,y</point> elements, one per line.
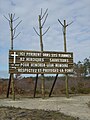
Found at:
<point>78,33</point>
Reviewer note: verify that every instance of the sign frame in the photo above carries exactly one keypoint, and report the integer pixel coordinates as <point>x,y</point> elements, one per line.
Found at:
<point>37,62</point>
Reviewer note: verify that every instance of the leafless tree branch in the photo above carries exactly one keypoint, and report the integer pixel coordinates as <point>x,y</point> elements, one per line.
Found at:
<point>16,19</point>
<point>9,24</point>
<point>60,22</point>
<point>16,35</point>
<point>44,14</point>
<point>36,31</point>
<point>17,25</point>
<point>11,20</point>
<point>45,20</point>
<point>9,15</point>
<point>41,11</point>
<point>46,31</point>
<point>69,24</point>
<point>13,16</point>
<point>6,18</point>
<point>14,31</point>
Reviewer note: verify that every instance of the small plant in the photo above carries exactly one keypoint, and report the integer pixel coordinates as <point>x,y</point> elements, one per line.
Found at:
<point>73,89</point>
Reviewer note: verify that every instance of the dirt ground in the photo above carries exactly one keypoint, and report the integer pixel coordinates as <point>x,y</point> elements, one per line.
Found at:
<point>75,106</point>
<point>11,113</point>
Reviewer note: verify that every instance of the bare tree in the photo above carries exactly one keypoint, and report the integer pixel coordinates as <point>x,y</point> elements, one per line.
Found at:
<point>13,28</point>
<point>64,32</point>
<point>65,49</point>
<point>42,19</point>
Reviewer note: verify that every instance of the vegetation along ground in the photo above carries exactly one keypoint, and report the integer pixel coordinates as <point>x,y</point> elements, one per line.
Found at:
<point>11,113</point>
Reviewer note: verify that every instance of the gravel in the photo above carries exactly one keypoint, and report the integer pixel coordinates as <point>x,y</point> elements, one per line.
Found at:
<point>74,106</point>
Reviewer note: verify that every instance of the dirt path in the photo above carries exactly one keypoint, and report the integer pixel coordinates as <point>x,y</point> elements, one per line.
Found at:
<point>75,106</point>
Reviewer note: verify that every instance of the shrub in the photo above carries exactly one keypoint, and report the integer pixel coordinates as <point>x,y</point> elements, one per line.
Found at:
<point>83,90</point>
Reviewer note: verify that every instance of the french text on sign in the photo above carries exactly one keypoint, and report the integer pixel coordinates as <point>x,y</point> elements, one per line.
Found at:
<point>36,62</point>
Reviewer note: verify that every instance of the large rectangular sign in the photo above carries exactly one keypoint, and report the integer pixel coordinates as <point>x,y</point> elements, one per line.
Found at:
<point>37,62</point>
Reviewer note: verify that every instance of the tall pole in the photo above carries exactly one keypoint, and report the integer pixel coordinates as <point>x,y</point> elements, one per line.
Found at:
<point>11,29</point>
<point>13,36</point>
<point>40,28</point>
<point>64,34</point>
<point>53,85</point>
<point>35,85</point>
<point>41,44</point>
<point>13,86</point>
<point>65,50</point>
<point>9,86</point>
<point>12,75</point>
<point>40,34</point>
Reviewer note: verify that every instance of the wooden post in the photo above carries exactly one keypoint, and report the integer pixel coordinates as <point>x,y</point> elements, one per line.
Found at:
<point>11,75</point>
<point>64,34</point>
<point>12,84</point>
<point>66,80</point>
<point>9,86</point>
<point>35,85</point>
<point>40,28</point>
<point>13,36</point>
<point>65,50</point>
<point>12,78</point>
<point>11,29</point>
<point>40,34</point>
<point>41,45</point>
<point>53,85</point>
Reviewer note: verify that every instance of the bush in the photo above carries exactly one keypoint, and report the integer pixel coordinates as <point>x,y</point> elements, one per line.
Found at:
<point>83,90</point>
<point>73,89</point>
